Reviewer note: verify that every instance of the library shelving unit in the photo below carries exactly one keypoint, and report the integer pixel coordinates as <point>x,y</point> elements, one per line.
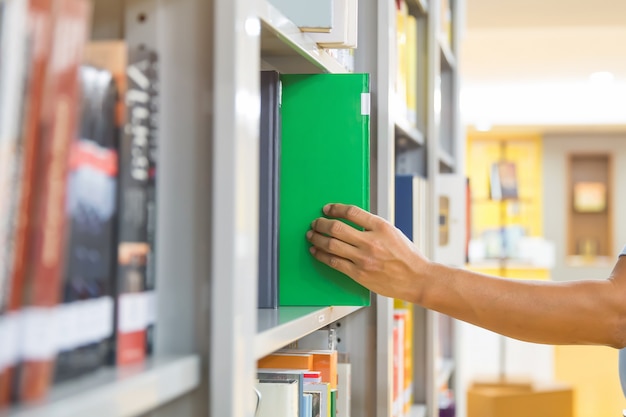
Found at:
<point>209,331</point>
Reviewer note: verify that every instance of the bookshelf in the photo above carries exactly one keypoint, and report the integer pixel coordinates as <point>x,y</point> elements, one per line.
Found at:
<point>209,331</point>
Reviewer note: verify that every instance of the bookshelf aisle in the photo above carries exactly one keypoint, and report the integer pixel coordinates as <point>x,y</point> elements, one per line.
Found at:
<point>209,332</point>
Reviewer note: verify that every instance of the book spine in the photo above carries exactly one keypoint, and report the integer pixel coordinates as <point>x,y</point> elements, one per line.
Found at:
<point>134,303</point>
<point>37,30</point>
<point>153,144</point>
<point>59,117</point>
<point>86,316</point>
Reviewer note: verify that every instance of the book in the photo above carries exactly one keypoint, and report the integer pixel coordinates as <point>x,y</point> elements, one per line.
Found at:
<point>406,390</point>
<point>135,287</point>
<point>286,360</point>
<point>316,128</point>
<point>398,363</point>
<point>344,389</point>
<point>59,123</point>
<point>308,405</point>
<point>321,397</point>
<point>410,207</point>
<point>148,62</point>
<point>269,148</point>
<point>288,374</point>
<point>503,181</point>
<point>279,398</point>
<point>401,90</point>
<point>324,361</point>
<point>36,37</point>
<point>411,68</point>
<point>86,314</point>
<point>344,30</point>
<point>308,16</point>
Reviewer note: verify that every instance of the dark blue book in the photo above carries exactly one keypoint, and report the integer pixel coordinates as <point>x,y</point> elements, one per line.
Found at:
<point>269,149</point>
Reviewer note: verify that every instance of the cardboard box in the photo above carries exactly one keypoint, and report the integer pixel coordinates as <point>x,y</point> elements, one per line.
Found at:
<point>520,400</point>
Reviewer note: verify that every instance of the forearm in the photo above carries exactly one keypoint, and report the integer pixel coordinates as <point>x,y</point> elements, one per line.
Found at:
<point>581,312</point>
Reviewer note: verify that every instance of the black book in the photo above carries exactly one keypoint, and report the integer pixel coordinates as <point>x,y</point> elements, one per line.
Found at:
<point>86,314</point>
<point>269,150</point>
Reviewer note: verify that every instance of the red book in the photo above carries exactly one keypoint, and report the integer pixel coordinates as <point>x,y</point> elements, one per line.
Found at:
<point>45,253</point>
<point>39,27</point>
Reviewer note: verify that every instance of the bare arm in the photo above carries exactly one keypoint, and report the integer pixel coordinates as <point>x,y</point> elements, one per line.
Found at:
<point>382,259</point>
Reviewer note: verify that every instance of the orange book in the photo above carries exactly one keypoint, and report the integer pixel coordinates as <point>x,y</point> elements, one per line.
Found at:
<point>286,361</point>
<point>324,361</point>
<point>59,118</point>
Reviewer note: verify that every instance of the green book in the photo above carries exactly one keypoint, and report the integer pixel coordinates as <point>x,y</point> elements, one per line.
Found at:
<point>333,402</point>
<point>325,158</point>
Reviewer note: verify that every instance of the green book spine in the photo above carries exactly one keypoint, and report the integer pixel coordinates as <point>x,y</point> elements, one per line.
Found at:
<point>325,156</point>
<point>333,403</point>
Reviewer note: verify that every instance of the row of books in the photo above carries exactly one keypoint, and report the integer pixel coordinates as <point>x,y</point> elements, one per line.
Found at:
<point>314,150</point>
<point>303,383</point>
<point>77,198</point>
<point>406,85</point>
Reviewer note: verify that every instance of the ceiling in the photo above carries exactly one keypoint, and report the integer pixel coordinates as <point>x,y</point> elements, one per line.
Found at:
<point>511,43</point>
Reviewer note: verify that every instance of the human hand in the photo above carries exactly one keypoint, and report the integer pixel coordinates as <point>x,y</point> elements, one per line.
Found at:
<point>380,257</point>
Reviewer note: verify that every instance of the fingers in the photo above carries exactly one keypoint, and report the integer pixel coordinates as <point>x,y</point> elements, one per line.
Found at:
<point>332,245</point>
<point>353,214</point>
<point>340,264</point>
<point>338,230</point>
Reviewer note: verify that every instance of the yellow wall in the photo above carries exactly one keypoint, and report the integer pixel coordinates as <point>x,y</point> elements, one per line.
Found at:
<point>483,149</point>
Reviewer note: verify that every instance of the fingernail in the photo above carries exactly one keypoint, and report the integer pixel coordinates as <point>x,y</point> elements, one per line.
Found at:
<point>309,234</point>
<point>312,249</point>
<point>326,208</point>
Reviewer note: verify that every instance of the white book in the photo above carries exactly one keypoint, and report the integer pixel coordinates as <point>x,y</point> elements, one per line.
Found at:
<point>279,398</point>
<point>344,388</point>
<point>321,398</point>
<point>344,32</point>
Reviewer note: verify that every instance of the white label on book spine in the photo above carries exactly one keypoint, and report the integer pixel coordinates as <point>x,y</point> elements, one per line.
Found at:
<point>365,104</point>
<point>84,322</point>
<point>9,348</point>
<point>151,307</point>
<point>40,333</point>
<point>133,312</point>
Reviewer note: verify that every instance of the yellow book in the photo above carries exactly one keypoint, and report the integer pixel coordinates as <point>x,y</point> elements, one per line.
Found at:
<point>401,62</point>
<point>411,69</point>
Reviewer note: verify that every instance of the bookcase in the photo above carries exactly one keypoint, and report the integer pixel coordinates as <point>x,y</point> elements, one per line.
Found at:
<point>209,332</point>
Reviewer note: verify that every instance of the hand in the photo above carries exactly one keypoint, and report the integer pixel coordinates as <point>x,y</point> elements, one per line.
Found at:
<point>380,257</point>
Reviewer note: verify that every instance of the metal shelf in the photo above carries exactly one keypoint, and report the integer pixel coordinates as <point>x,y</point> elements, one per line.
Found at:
<point>446,159</point>
<point>277,328</point>
<point>418,6</point>
<point>287,49</point>
<point>447,56</point>
<point>405,130</point>
<point>120,392</point>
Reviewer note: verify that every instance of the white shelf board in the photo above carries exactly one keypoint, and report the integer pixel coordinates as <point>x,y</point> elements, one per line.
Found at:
<point>417,410</point>
<point>288,49</point>
<point>279,327</point>
<point>119,392</point>
<point>405,130</point>
<point>446,159</point>
<point>447,55</point>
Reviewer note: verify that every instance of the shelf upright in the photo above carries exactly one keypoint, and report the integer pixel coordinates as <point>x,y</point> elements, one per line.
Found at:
<point>234,113</point>
<point>177,31</point>
<point>433,126</point>
<point>375,56</point>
